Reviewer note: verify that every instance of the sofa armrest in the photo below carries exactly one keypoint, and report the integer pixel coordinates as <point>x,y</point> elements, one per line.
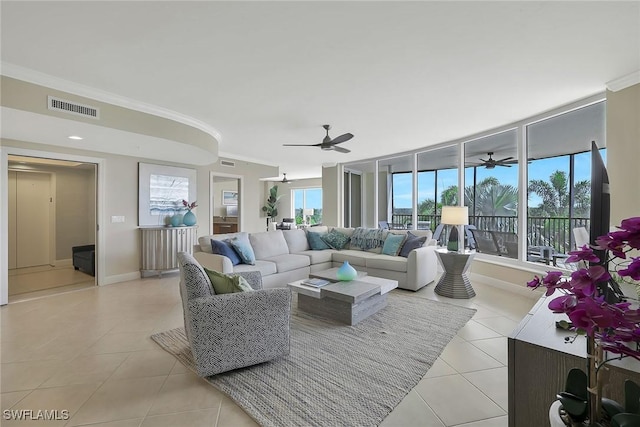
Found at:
<point>422,267</point>
<point>214,262</point>
<point>232,331</point>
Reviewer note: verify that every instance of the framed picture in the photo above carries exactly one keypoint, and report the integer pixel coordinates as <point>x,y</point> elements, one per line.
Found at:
<point>161,190</point>
<point>229,197</point>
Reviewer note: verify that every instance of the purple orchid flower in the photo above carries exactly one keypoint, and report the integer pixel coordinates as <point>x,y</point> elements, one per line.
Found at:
<point>632,270</point>
<point>583,254</point>
<point>586,279</point>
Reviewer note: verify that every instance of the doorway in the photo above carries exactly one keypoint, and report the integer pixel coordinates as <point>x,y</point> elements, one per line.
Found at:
<point>51,211</point>
<point>226,203</point>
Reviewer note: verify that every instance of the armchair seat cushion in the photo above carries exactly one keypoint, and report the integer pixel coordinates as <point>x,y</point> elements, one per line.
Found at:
<point>264,267</point>
<point>355,257</point>
<point>387,262</point>
<point>289,262</point>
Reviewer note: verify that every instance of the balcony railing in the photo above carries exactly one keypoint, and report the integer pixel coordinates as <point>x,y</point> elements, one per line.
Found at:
<point>541,231</point>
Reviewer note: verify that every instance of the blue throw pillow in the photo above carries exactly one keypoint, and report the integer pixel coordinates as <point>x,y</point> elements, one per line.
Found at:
<point>412,242</point>
<point>315,241</point>
<point>220,247</point>
<point>243,247</point>
<point>393,244</point>
<point>335,239</point>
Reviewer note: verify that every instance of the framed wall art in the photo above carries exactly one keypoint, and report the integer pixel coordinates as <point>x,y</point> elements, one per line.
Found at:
<point>229,197</point>
<point>161,190</point>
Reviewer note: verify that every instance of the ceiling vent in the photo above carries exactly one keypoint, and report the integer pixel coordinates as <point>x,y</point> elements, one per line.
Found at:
<point>228,163</point>
<point>70,107</point>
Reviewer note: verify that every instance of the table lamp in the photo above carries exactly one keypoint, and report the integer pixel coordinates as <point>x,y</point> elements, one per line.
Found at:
<point>454,215</point>
<point>307,213</point>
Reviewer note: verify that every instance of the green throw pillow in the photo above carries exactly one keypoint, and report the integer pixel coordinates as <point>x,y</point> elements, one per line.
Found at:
<point>393,244</point>
<point>226,284</point>
<point>335,239</point>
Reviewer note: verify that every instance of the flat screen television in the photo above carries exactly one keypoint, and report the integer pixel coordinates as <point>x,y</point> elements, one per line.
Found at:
<point>600,217</point>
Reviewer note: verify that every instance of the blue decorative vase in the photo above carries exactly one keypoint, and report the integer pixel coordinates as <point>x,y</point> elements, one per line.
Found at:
<point>346,273</point>
<point>189,219</point>
<point>176,220</point>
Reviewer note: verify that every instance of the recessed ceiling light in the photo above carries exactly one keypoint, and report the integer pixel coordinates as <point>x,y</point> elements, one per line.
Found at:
<point>75,137</point>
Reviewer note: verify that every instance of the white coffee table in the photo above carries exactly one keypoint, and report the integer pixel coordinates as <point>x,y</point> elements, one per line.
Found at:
<point>347,302</point>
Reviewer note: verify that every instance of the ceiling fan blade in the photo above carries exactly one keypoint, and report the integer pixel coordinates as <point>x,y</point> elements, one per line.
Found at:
<point>483,160</point>
<point>342,138</point>
<point>301,145</point>
<point>505,159</point>
<point>503,165</point>
<point>341,150</point>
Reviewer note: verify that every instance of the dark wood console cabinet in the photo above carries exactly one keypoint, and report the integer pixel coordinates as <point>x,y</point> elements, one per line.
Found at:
<point>539,360</point>
<point>223,225</point>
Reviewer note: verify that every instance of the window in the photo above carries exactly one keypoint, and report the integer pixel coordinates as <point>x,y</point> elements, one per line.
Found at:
<point>305,199</point>
<point>559,176</point>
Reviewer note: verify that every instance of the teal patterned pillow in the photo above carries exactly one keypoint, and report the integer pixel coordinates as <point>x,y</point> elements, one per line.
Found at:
<point>367,238</point>
<point>335,239</point>
<point>315,241</point>
<point>393,244</point>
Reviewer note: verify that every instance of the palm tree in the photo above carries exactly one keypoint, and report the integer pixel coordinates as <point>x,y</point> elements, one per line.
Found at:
<point>490,198</point>
<point>554,194</point>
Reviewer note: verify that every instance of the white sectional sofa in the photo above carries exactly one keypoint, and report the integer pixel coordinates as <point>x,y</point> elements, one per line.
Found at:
<point>284,256</point>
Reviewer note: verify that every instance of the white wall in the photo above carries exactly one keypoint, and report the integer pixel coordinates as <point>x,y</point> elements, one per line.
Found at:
<point>623,152</point>
<point>218,187</point>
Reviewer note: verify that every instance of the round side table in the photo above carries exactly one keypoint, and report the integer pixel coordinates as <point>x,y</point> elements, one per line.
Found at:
<point>454,283</point>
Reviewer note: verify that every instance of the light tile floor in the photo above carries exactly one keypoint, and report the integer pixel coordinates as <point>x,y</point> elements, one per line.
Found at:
<point>89,352</point>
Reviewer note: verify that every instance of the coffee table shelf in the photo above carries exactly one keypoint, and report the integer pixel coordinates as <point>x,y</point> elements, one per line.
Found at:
<point>347,302</point>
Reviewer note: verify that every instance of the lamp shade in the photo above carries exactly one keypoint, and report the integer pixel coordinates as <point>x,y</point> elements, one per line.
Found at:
<point>455,215</point>
<point>307,211</point>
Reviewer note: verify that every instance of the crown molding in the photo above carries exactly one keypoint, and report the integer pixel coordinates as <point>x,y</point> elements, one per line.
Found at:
<point>42,79</point>
<point>624,82</point>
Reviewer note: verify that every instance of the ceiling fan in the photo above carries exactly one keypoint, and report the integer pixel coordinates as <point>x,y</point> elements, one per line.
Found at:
<point>285,180</point>
<point>491,163</point>
<point>327,143</point>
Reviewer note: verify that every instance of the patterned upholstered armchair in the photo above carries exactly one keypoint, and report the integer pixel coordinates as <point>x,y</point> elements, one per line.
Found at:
<point>236,330</point>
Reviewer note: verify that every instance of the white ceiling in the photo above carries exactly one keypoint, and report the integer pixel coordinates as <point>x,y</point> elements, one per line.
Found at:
<point>398,75</point>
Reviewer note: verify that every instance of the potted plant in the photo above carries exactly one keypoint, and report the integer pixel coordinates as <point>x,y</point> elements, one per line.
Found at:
<point>611,325</point>
<point>271,207</point>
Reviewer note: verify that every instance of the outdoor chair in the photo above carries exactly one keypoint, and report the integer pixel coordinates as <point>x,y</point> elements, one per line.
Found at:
<point>236,330</point>
<point>485,242</point>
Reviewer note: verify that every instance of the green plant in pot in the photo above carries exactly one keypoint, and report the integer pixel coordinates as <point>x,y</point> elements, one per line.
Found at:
<point>271,207</point>
<point>597,309</point>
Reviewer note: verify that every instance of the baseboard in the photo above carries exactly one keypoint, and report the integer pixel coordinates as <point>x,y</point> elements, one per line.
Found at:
<point>109,280</point>
<point>507,286</point>
<point>64,262</point>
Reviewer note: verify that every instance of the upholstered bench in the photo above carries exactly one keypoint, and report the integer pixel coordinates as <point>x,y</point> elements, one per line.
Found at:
<point>84,258</point>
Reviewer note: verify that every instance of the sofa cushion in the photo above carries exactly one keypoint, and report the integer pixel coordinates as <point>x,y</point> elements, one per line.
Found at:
<point>393,244</point>
<point>335,239</point>
<point>268,243</point>
<point>318,257</point>
<point>386,262</point>
<point>225,284</point>
<point>355,258</point>
<point>296,240</point>
<point>243,248</point>
<point>411,242</point>
<point>289,262</point>
<point>367,238</point>
<point>265,268</point>
<point>221,247</point>
<point>205,241</point>
<point>315,241</point>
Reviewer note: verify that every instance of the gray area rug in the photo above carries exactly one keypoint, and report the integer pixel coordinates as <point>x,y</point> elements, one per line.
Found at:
<point>339,375</point>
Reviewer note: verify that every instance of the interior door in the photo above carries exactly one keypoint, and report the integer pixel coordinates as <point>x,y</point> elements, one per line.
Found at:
<point>33,202</point>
